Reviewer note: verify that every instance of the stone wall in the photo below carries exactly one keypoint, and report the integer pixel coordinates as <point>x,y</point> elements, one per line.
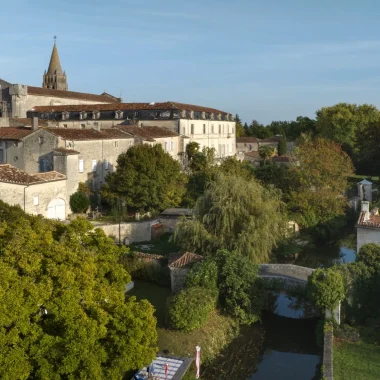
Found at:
<point>366,235</point>
<point>134,232</point>
<point>289,270</point>
<point>177,278</point>
<point>327,359</point>
<point>169,223</point>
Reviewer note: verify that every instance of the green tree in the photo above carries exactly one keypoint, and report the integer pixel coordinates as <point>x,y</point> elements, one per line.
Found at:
<point>63,313</point>
<point>343,122</point>
<point>147,179</point>
<point>282,147</point>
<point>79,202</point>
<point>240,132</point>
<point>326,288</point>
<point>267,151</point>
<point>322,170</point>
<point>235,214</point>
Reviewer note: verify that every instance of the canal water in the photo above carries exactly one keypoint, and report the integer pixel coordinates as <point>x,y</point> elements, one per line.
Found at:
<point>282,347</point>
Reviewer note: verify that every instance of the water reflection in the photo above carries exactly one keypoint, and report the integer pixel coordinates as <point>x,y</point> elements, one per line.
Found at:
<point>281,347</point>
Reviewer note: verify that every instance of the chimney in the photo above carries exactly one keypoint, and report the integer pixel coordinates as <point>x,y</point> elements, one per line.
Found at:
<point>365,209</point>
<point>34,123</point>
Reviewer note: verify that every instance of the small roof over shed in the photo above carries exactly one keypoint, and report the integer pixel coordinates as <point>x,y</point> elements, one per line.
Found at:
<point>365,182</point>
<point>183,260</point>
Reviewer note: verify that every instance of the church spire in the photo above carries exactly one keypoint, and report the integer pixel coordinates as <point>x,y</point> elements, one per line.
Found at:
<point>55,78</point>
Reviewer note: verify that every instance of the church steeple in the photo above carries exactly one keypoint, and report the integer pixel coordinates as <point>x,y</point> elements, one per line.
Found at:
<point>55,78</point>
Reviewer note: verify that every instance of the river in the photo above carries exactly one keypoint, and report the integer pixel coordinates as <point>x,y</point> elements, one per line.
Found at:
<point>282,347</point>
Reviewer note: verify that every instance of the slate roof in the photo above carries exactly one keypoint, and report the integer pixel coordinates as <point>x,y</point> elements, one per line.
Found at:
<point>38,91</point>
<point>183,260</point>
<point>88,134</point>
<point>281,159</point>
<point>252,154</point>
<point>11,174</point>
<point>147,133</point>
<point>123,106</point>
<point>14,133</point>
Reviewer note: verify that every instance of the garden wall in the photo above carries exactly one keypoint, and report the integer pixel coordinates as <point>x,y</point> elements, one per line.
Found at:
<point>133,231</point>
<point>327,359</point>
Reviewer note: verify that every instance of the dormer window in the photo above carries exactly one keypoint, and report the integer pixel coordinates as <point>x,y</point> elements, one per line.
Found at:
<point>83,115</point>
<point>212,115</point>
<point>191,114</point>
<point>65,115</point>
<point>119,114</point>
<point>203,115</point>
<point>183,114</point>
<point>96,115</point>
<point>219,116</point>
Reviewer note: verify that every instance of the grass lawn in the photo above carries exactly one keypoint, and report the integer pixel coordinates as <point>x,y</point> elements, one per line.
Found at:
<point>160,246</point>
<point>356,361</point>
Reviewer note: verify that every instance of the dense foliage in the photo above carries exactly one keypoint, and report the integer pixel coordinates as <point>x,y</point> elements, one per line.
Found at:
<point>326,288</point>
<point>235,214</point>
<point>234,278</point>
<point>147,179</point>
<point>79,202</point>
<point>63,313</point>
<point>190,308</point>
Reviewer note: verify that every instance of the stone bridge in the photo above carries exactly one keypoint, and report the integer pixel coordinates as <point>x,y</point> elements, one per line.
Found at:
<point>292,277</point>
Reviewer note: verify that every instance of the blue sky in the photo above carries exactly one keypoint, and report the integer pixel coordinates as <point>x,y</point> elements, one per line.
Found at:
<point>265,60</point>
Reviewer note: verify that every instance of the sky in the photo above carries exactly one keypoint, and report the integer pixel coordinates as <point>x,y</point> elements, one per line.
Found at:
<point>264,60</point>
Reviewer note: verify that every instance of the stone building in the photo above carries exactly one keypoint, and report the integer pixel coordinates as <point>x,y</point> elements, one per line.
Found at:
<point>253,144</point>
<point>38,194</point>
<point>368,226</point>
<point>82,155</point>
<point>208,127</point>
<point>17,99</point>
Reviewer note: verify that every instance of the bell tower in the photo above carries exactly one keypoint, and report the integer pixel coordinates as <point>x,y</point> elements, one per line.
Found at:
<point>55,78</point>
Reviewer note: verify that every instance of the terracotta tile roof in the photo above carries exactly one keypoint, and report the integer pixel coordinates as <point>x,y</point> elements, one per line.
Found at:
<point>252,154</point>
<point>150,256</point>
<point>184,260</point>
<point>66,151</point>
<point>14,133</point>
<point>25,122</point>
<point>373,221</point>
<point>281,159</point>
<point>11,174</point>
<point>148,133</point>
<point>87,134</point>
<point>247,140</point>
<point>67,94</point>
<point>271,139</point>
<point>123,106</point>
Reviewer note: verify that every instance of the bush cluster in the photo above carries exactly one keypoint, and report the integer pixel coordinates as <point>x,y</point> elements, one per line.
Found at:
<point>190,308</point>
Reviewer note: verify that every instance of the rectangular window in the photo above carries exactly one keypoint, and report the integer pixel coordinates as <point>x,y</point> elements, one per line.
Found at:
<point>184,131</point>
<point>192,129</point>
<point>220,129</point>
<point>44,166</point>
<point>35,200</point>
<point>64,125</point>
<point>93,165</point>
<point>41,140</point>
<point>106,164</point>
<point>204,129</point>
<point>2,156</point>
<point>166,146</point>
<point>233,130</point>
<point>116,144</point>
<point>83,126</point>
<point>212,128</point>
<point>81,166</point>
<point>172,145</point>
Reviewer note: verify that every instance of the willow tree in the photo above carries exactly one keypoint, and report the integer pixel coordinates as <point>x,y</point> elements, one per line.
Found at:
<point>236,214</point>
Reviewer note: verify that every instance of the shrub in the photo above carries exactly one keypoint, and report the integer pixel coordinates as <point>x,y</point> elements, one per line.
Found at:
<point>203,274</point>
<point>190,309</point>
<point>326,288</point>
<point>79,202</point>
<point>240,290</point>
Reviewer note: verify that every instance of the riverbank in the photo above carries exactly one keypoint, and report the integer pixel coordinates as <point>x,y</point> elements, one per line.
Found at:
<point>356,361</point>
